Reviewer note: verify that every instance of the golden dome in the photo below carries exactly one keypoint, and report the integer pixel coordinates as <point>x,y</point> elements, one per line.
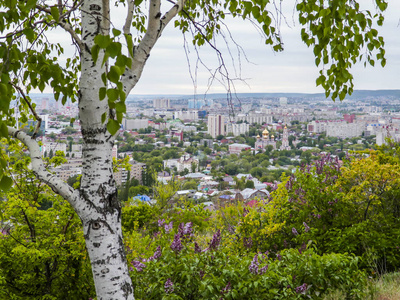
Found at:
<point>272,136</point>
<point>265,131</point>
<point>258,136</point>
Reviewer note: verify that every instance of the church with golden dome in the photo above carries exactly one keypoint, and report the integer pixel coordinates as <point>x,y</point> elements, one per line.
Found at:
<point>264,141</point>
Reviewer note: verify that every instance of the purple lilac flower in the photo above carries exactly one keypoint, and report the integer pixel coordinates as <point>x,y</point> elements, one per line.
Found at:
<point>157,254</point>
<point>161,222</point>
<point>263,270</point>
<point>216,239</point>
<point>285,244</point>
<point>231,229</point>
<point>138,265</point>
<point>168,227</point>
<point>253,268</point>
<point>188,228</point>
<point>301,289</point>
<point>197,248</point>
<point>201,274</point>
<point>294,231</point>
<point>247,242</point>
<point>307,228</point>
<point>180,229</point>
<point>279,257</point>
<point>318,216</point>
<point>176,245</point>
<point>227,288</point>
<point>169,286</point>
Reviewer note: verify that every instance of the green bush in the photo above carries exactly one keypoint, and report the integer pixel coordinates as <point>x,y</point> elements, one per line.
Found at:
<point>180,269</point>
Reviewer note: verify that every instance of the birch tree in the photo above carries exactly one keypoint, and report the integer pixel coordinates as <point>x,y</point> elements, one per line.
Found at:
<point>108,63</point>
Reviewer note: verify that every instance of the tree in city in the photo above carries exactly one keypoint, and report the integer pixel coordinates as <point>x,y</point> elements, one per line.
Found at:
<point>107,64</point>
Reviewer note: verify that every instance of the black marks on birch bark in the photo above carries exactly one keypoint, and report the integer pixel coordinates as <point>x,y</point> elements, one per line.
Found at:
<point>127,288</point>
<point>96,225</point>
<point>95,7</point>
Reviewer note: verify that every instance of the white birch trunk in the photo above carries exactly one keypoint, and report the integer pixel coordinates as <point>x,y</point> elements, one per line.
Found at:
<point>99,208</point>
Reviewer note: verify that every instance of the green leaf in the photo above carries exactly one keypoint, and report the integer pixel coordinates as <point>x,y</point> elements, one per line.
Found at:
<point>102,40</point>
<point>120,107</point>
<point>103,117</point>
<point>112,94</point>
<point>114,49</point>
<point>113,74</point>
<point>3,130</point>
<point>116,32</point>
<point>102,93</point>
<point>129,43</point>
<point>113,126</point>
<point>95,52</point>
<point>5,183</point>
<point>55,13</point>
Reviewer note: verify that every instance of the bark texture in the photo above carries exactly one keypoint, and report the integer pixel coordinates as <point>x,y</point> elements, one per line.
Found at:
<point>100,210</point>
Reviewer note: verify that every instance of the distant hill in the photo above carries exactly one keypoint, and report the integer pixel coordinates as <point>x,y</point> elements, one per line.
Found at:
<point>358,94</point>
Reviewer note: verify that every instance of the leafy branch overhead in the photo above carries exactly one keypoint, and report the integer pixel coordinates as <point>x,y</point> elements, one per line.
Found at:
<point>339,32</point>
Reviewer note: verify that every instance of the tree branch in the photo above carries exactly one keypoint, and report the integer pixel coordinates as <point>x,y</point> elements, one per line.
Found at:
<point>64,24</point>
<point>129,17</point>
<point>57,185</point>
<point>155,27</point>
<point>39,119</point>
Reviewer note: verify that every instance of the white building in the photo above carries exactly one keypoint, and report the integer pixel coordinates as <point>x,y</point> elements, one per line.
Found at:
<point>51,146</point>
<point>317,126</point>
<point>254,118</point>
<point>185,162</point>
<point>237,129</point>
<point>192,115</point>
<point>387,131</point>
<point>216,125</point>
<point>161,103</point>
<point>131,124</point>
<point>345,130</point>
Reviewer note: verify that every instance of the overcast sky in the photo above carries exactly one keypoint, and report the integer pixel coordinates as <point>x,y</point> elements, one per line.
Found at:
<point>292,70</point>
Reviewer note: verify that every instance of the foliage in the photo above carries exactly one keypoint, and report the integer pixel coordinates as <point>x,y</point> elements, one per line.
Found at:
<point>42,248</point>
<point>179,266</point>
<point>339,34</point>
<point>348,209</point>
<point>137,215</point>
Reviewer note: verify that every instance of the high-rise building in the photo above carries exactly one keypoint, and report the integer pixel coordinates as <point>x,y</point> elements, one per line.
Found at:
<point>161,103</point>
<point>216,125</point>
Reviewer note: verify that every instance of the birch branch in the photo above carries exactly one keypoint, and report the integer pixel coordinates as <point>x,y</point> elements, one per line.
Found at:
<point>57,185</point>
<point>129,17</point>
<point>64,24</point>
<point>38,119</point>
<point>155,27</point>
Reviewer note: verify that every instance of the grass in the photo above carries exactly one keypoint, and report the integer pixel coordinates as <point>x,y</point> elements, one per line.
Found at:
<point>386,287</point>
